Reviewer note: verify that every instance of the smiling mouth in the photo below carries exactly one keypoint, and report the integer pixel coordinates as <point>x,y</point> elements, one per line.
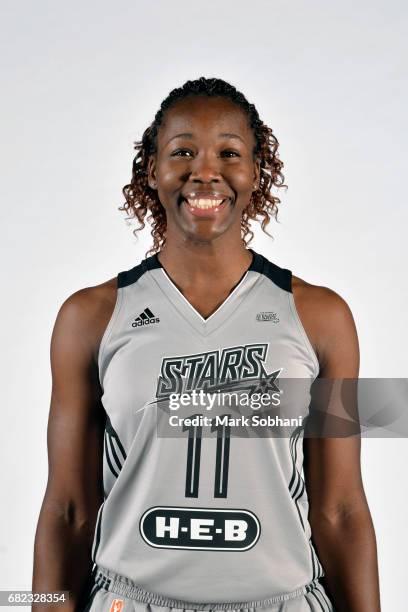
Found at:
<point>204,203</point>
<point>204,207</point>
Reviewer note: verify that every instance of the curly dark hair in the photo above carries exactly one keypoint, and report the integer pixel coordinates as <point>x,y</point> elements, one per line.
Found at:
<point>142,201</point>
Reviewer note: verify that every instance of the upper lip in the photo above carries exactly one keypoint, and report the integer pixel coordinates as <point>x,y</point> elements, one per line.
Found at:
<point>196,195</point>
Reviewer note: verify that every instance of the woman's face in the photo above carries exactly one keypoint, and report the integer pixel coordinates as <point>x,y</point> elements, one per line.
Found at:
<point>204,170</point>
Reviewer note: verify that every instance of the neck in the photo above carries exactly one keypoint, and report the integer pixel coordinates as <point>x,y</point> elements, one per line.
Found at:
<point>204,262</point>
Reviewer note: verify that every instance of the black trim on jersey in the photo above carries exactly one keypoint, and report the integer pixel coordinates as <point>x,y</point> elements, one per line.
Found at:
<point>280,276</point>
<point>103,581</point>
<point>117,460</point>
<point>108,459</point>
<point>97,534</point>
<point>318,571</point>
<point>296,488</point>
<point>323,595</point>
<point>112,437</point>
<point>312,590</point>
<point>132,276</point>
<point>313,594</point>
<point>296,484</point>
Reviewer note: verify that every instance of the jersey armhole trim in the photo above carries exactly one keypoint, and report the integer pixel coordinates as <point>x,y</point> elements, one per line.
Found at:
<point>303,334</point>
<point>97,533</point>
<point>109,328</point>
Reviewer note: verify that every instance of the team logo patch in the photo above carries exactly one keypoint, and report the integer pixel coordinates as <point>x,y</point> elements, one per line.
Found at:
<point>267,316</point>
<point>200,528</point>
<point>117,605</point>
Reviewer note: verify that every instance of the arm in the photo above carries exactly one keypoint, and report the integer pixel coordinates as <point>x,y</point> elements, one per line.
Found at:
<point>74,493</point>
<point>339,516</point>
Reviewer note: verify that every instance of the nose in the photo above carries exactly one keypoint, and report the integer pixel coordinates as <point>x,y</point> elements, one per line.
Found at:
<point>205,169</point>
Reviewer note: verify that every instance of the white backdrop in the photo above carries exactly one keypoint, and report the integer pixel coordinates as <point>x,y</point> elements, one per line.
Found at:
<point>82,80</point>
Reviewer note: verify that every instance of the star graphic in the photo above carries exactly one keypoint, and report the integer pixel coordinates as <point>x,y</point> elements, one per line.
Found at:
<point>265,383</point>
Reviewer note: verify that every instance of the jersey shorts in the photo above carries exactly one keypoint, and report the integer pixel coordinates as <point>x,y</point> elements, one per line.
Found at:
<point>112,593</point>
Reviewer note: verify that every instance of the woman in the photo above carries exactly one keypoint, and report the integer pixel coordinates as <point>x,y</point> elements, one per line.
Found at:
<point>181,521</point>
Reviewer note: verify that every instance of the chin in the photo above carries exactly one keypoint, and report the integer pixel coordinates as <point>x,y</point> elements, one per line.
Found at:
<point>202,237</point>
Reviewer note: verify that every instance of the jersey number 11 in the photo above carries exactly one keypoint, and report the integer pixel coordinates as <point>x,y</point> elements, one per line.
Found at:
<point>194,455</point>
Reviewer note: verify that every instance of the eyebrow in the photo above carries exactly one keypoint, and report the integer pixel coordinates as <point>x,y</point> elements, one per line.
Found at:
<point>190,136</point>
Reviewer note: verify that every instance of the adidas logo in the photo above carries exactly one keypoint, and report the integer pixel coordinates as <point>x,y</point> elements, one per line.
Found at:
<point>267,316</point>
<point>145,318</point>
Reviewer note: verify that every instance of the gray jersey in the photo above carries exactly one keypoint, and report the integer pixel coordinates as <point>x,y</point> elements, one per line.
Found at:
<point>194,517</point>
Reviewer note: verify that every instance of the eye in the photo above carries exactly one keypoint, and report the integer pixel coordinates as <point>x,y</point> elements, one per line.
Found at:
<point>176,153</point>
<point>231,151</point>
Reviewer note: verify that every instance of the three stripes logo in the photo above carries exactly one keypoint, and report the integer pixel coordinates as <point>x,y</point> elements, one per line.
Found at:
<point>145,318</point>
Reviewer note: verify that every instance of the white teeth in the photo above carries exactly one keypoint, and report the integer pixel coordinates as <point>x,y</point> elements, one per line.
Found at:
<point>204,202</point>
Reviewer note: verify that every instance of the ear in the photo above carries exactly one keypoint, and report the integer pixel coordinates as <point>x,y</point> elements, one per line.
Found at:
<point>151,172</point>
<point>257,173</point>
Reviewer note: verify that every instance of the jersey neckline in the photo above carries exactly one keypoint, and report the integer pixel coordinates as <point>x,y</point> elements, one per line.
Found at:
<point>224,311</point>
<point>260,264</point>
<point>257,265</point>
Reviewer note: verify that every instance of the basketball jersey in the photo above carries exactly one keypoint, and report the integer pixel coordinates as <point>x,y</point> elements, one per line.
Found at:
<point>192,516</point>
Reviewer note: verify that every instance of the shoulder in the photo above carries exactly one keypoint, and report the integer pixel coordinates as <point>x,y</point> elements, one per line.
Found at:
<point>85,314</point>
<point>321,300</point>
<point>328,322</point>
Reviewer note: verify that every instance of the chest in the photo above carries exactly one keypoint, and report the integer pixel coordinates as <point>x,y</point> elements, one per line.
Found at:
<point>176,351</point>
